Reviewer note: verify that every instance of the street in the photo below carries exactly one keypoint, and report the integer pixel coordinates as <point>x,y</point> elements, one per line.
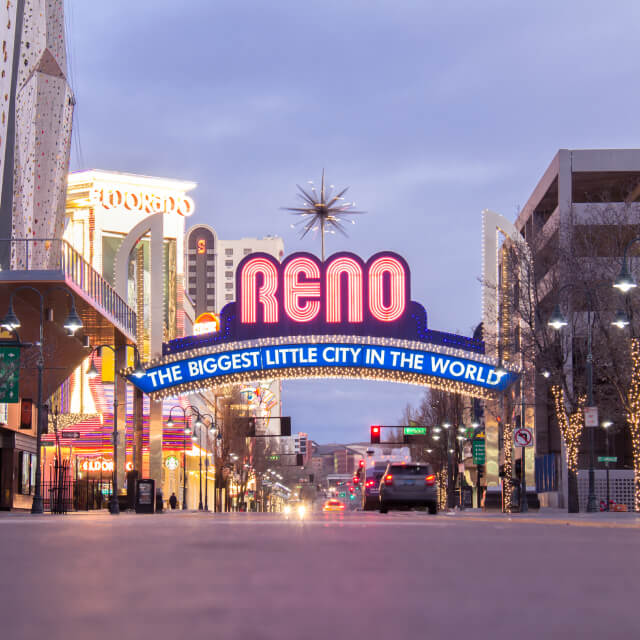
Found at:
<point>357,575</point>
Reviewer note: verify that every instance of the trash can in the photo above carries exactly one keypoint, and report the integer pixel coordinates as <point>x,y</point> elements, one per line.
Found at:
<point>144,496</point>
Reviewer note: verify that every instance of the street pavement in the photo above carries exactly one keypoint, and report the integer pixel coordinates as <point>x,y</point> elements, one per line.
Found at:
<point>356,575</point>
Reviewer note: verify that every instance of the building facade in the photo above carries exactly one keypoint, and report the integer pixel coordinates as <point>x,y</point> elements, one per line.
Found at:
<point>104,212</point>
<point>210,268</point>
<point>579,219</point>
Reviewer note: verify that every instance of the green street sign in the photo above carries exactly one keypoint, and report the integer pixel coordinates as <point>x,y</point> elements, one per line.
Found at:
<point>9,374</point>
<point>415,431</point>
<point>607,458</point>
<point>478,451</point>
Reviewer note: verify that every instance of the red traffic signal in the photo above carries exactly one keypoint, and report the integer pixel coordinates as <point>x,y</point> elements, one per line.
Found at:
<point>361,464</point>
<point>375,434</point>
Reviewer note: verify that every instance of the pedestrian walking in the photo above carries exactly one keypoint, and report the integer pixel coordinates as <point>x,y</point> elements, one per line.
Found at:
<point>173,501</point>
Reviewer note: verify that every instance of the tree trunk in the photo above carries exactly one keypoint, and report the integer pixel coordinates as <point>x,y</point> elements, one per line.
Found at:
<point>573,504</point>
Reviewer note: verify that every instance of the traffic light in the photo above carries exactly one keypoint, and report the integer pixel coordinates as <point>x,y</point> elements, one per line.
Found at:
<point>361,464</point>
<point>375,434</point>
<point>285,426</point>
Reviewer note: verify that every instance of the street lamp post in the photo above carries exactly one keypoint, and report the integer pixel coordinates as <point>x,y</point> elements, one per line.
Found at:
<point>138,372</point>
<point>524,503</point>
<point>606,425</point>
<point>447,427</point>
<point>212,431</point>
<point>12,323</point>
<point>460,451</point>
<point>198,424</point>
<point>185,432</point>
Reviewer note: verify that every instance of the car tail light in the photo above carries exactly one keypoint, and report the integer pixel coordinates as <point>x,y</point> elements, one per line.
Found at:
<point>356,480</point>
<point>388,479</point>
<point>430,480</point>
<point>371,483</point>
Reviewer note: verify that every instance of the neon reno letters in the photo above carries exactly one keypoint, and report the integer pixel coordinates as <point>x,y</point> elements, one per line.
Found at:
<point>302,288</point>
<point>303,296</point>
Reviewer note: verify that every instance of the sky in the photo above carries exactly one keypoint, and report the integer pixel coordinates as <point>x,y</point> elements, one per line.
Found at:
<point>429,111</point>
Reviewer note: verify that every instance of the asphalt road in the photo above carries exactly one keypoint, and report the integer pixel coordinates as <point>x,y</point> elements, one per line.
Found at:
<point>358,576</point>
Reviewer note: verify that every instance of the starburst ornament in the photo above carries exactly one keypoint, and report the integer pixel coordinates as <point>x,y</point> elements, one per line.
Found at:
<point>322,210</point>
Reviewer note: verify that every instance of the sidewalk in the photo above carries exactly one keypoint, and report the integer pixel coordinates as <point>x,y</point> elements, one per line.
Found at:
<point>554,516</point>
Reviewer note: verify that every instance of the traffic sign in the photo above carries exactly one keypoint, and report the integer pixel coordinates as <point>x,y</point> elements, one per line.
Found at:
<point>590,416</point>
<point>607,458</point>
<point>70,435</point>
<point>479,451</point>
<point>523,437</point>
<point>9,374</point>
<point>415,431</point>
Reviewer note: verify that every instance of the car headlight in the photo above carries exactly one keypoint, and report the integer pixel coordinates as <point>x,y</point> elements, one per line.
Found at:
<point>287,509</point>
<point>301,510</point>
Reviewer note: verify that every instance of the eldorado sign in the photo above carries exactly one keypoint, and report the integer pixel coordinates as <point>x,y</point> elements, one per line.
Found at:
<point>305,318</point>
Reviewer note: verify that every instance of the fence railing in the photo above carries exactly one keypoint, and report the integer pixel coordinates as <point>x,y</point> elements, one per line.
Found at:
<point>83,495</point>
<point>42,254</point>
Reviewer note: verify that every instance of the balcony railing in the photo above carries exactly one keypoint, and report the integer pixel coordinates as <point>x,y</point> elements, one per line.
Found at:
<point>38,254</point>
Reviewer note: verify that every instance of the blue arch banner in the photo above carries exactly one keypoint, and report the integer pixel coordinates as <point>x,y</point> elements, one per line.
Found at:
<point>297,360</point>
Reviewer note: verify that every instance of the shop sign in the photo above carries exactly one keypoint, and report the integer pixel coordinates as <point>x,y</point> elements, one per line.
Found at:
<point>172,463</point>
<point>100,464</point>
<point>113,197</point>
<point>206,323</point>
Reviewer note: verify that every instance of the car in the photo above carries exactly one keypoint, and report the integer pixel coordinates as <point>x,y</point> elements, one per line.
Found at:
<point>333,505</point>
<point>408,485</point>
<point>371,488</point>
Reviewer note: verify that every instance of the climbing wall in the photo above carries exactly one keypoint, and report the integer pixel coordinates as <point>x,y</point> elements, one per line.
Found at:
<point>44,112</point>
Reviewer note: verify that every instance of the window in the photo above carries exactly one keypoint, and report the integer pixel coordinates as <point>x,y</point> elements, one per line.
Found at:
<point>228,296</point>
<point>228,285</point>
<point>27,473</point>
<point>247,251</point>
<point>228,263</point>
<point>228,252</point>
<point>228,274</point>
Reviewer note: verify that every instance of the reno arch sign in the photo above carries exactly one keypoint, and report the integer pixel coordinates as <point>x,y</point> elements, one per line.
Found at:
<point>343,291</point>
<point>341,318</point>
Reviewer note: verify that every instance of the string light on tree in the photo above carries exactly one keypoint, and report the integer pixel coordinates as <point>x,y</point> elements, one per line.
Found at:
<point>633,418</point>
